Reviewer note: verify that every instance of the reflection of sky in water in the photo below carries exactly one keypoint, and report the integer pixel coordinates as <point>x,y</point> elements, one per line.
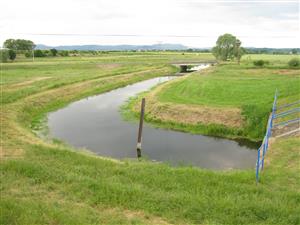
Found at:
<point>194,68</point>
<point>95,123</point>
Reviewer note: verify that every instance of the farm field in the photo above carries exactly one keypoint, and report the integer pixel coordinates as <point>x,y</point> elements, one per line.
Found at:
<point>49,182</point>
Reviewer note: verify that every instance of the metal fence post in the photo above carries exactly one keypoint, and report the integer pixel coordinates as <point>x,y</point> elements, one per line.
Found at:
<point>265,145</point>
<point>264,152</point>
<point>257,166</point>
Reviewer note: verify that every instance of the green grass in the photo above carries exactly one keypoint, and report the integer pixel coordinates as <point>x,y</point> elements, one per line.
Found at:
<point>231,86</point>
<point>242,86</point>
<point>49,183</point>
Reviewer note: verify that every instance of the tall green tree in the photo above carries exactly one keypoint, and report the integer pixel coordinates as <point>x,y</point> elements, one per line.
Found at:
<point>10,44</point>
<point>12,54</point>
<point>238,50</point>
<point>39,53</point>
<point>53,51</point>
<point>228,47</point>
<point>19,44</point>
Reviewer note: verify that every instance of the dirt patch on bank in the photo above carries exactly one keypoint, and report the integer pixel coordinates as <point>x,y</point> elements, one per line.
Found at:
<point>108,66</point>
<point>287,130</point>
<point>190,114</point>
<point>10,153</point>
<point>131,215</point>
<point>288,72</point>
<point>29,82</point>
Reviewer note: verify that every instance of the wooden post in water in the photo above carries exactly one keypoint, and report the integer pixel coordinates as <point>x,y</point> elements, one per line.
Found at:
<point>139,141</point>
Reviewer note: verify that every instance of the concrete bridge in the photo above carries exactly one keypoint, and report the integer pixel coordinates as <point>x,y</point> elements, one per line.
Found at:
<point>184,66</point>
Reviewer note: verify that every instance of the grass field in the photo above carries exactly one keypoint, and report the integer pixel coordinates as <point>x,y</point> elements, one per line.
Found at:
<point>47,182</point>
<point>229,100</point>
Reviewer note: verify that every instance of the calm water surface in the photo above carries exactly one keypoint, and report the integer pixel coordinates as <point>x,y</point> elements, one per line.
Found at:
<point>95,123</point>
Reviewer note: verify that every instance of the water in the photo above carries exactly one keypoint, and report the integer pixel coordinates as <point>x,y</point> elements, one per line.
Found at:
<point>95,123</point>
<point>199,67</point>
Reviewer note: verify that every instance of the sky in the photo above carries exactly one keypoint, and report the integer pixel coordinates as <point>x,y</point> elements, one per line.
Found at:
<point>194,23</point>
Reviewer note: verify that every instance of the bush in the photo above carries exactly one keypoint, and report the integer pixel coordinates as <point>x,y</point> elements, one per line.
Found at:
<point>38,53</point>
<point>63,53</point>
<point>12,54</point>
<point>53,51</point>
<point>294,63</point>
<point>28,54</point>
<point>260,62</point>
<point>47,53</point>
<point>3,55</point>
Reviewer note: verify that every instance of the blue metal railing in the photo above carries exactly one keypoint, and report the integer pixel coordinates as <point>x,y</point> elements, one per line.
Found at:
<point>261,152</point>
<point>297,120</point>
<point>288,112</point>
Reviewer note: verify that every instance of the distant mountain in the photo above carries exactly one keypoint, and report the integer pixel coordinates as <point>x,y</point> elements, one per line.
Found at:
<point>161,47</point>
<point>114,47</point>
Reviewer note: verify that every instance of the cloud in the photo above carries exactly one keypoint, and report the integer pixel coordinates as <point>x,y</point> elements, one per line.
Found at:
<point>190,22</point>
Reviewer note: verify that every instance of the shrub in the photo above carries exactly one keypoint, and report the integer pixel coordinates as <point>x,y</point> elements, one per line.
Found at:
<point>53,51</point>
<point>63,53</point>
<point>260,62</point>
<point>28,54</point>
<point>294,63</point>
<point>38,53</point>
<point>3,55</point>
<point>47,53</point>
<point>12,54</point>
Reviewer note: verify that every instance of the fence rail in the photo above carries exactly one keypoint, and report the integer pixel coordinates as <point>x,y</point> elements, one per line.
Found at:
<point>262,150</point>
<point>297,120</point>
<point>288,105</point>
<point>288,112</point>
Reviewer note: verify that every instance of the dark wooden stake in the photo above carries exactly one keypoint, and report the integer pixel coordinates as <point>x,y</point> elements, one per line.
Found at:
<point>139,141</point>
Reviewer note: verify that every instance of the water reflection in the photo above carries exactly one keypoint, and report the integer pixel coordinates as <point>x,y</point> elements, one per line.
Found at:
<point>96,124</point>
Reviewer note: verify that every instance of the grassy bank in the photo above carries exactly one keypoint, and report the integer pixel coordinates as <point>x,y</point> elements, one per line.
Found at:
<point>49,183</point>
<point>227,100</point>
<point>55,185</point>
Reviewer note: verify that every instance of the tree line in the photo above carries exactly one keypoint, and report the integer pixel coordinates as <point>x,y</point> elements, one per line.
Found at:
<point>13,47</point>
<point>227,48</point>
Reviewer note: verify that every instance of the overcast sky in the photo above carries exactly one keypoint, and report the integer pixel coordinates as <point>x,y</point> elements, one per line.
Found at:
<point>195,23</point>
